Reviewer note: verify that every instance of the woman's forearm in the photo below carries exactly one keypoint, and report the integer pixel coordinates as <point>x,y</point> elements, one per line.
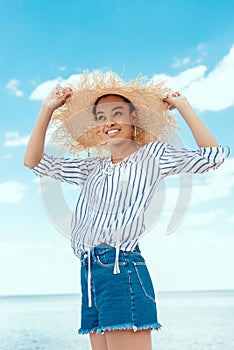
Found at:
<point>201,133</point>
<point>35,147</point>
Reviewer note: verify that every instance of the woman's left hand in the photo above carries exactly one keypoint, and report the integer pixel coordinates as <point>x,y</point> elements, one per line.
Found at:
<point>174,99</point>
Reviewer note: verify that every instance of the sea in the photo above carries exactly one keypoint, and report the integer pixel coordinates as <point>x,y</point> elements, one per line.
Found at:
<point>201,320</point>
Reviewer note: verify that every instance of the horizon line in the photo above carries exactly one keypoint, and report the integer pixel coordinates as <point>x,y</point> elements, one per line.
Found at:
<point>79,293</point>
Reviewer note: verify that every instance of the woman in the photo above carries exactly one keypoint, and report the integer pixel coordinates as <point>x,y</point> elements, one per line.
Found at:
<point>118,300</point>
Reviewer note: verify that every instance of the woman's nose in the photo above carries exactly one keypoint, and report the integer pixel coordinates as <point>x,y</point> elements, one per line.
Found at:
<point>109,120</point>
<point>109,123</point>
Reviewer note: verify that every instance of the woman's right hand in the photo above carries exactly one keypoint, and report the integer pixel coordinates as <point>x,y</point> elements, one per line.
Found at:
<point>57,97</point>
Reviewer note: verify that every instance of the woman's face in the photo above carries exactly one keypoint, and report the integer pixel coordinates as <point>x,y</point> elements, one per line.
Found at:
<point>114,118</point>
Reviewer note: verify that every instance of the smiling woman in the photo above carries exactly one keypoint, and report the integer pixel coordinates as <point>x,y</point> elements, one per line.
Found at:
<point>132,121</point>
<point>116,116</point>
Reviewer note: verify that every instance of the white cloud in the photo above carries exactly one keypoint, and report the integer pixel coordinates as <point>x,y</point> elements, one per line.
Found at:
<point>42,90</point>
<point>202,49</point>
<point>207,92</point>
<point>8,156</point>
<point>14,139</point>
<point>201,219</point>
<point>180,62</point>
<point>214,92</point>
<point>12,86</point>
<point>230,219</point>
<point>183,79</point>
<point>62,69</point>
<point>12,192</point>
<point>45,88</point>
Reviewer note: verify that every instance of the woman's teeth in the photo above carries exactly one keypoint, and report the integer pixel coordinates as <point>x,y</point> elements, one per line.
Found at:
<point>112,132</point>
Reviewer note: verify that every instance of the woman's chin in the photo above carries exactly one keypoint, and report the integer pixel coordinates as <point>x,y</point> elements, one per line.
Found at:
<point>117,141</point>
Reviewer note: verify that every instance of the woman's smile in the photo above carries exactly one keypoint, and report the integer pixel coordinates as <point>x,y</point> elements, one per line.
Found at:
<point>112,132</point>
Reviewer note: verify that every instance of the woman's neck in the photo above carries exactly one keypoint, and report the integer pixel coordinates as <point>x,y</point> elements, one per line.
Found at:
<point>119,152</point>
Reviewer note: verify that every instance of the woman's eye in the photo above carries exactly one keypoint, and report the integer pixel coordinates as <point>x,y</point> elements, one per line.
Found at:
<point>100,117</point>
<point>117,114</point>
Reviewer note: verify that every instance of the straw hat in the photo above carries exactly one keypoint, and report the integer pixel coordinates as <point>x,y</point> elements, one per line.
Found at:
<point>77,129</point>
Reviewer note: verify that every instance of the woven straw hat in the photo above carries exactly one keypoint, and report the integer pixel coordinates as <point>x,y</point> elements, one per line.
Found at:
<point>77,129</point>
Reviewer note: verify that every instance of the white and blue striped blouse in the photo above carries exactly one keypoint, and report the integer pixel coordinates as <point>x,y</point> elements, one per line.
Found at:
<point>114,197</point>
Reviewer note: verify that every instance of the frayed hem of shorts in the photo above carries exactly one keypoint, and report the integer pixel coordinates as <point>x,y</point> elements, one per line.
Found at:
<point>127,326</point>
<point>86,331</point>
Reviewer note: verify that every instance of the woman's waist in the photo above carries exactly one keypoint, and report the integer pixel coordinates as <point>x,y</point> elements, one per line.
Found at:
<point>105,247</point>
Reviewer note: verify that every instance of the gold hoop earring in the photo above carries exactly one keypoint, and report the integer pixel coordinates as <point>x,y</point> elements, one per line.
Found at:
<point>134,132</point>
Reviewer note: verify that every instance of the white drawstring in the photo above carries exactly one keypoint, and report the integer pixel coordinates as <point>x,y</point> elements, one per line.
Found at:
<point>116,267</point>
<point>89,278</point>
<point>116,271</point>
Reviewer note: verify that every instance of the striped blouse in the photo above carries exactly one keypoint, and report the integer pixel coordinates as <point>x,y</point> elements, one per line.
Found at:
<point>114,197</point>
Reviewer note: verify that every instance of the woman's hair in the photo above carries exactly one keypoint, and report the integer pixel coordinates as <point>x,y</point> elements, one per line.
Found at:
<point>131,105</point>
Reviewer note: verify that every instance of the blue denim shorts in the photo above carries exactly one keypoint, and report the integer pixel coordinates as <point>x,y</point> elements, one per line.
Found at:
<point>119,301</point>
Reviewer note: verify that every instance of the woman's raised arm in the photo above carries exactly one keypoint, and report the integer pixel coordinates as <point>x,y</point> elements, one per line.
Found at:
<point>35,147</point>
<point>201,133</point>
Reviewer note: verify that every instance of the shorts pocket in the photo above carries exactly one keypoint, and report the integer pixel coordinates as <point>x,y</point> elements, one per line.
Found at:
<point>144,279</point>
<point>107,259</point>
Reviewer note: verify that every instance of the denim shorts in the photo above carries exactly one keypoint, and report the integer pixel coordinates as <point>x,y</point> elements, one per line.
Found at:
<point>119,301</point>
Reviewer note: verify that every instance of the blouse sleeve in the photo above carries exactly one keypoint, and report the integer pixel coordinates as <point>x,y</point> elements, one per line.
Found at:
<point>74,171</point>
<point>181,160</point>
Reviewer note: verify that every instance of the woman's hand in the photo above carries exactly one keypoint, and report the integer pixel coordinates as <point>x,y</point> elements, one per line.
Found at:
<point>201,133</point>
<point>174,100</point>
<point>57,97</point>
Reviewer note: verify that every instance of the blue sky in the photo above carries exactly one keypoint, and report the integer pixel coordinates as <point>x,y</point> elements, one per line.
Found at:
<point>190,45</point>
